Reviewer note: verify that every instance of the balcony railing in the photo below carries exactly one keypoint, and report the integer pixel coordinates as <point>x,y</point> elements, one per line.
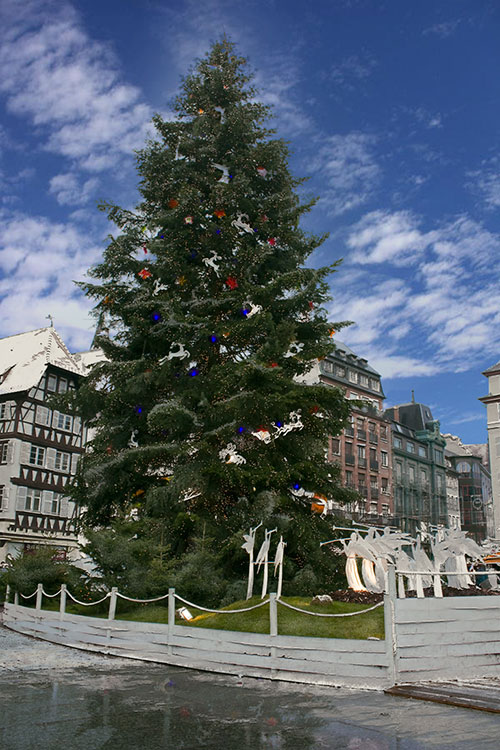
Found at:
<point>374,493</point>
<point>349,432</point>
<point>374,464</point>
<point>361,461</point>
<point>373,437</point>
<point>363,490</point>
<point>349,458</point>
<point>361,434</point>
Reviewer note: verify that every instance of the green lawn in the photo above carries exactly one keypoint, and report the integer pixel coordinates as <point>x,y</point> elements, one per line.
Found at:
<point>257,620</point>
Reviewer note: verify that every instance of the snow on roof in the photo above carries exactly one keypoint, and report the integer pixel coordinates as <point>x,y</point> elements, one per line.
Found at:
<point>86,360</point>
<point>25,356</point>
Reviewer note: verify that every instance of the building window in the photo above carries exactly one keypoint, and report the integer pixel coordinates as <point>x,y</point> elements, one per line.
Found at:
<point>410,447</point>
<point>361,451</point>
<point>55,504</point>
<point>37,455</point>
<point>373,482</point>
<point>422,451</point>
<point>371,427</point>
<point>399,469</point>
<point>375,385</point>
<point>33,499</point>
<point>463,467</point>
<point>348,478</point>
<point>438,456</point>
<point>3,496</point>
<point>384,457</point>
<point>353,376</point>
<point>363,380</point>
<point>398,443</point>
<point>62,461</point>
<point>63,385</point>
<point>327,367</point>
<point>64,422</point>
<point>340,371</point>
<point>423,476</point>
<point>383,431</point>
<point>411,474</point>
<point>42,415</point>
<point>4,449</point>
<point>52,383</point>
<point>6,410</point>
<point>385,484</point>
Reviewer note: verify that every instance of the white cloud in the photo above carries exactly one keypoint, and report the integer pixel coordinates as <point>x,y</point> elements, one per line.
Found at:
<point>348,166</point>
<point>68,85</point>
<point>351,70</point>
<point>486,182</point>
<point>68,190</point>
<point>39,260</point>
<point>445,29</point>
<point>445,301</point>
<point>382,237</point>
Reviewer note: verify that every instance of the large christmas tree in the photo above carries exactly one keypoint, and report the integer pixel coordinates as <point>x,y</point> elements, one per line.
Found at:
<point>202,416</point>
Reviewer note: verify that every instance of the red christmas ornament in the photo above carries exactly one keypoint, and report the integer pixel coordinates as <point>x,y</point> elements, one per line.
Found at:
<point>311,305</point>
<point>262,171</point>
<point>272,241</point>
<point>145,249</point>
<point>109,449</point>
<point>220,213</point>
<point>145,274</point>
<point>273,364</point>
<point>173,203</point>
<point>313,409</point>
<point>264,217</point>
<point>231,282</point>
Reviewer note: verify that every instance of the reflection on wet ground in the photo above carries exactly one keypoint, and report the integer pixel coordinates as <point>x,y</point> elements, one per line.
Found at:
<point>149,706</point>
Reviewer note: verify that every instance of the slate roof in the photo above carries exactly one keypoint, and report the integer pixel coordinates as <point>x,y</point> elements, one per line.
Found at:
<point>354,358</point>
<point>25,356</point>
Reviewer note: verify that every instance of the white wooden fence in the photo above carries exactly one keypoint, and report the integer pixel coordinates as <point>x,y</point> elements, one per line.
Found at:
<point>430,638</point>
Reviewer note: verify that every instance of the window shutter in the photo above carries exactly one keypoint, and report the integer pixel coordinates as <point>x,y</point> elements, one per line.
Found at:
<point>10,452</point>
<point>42,415</point>
<point>47,497</point>
<point>25,452</point>
<point>77,425</point>
<point>64,507</point>
<point>21,498</point>
<point>74,462</point>
<point>51,458</point>
<point>55,418</point>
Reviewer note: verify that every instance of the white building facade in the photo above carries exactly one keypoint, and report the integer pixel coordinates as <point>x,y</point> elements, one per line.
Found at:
<point>39,446</point>
<point>492,403</point>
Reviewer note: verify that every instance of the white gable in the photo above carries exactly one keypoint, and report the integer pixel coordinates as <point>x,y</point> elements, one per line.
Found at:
<point>25,356</point>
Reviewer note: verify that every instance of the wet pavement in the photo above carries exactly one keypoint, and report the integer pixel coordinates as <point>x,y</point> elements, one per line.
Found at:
<point>53,697</point>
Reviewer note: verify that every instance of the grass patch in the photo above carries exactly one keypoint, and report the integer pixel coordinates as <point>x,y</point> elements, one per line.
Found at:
<point>290,622</point>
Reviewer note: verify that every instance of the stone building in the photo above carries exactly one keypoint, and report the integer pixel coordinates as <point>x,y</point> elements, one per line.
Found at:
<point>452,495</point>
<point>39,446</point>
<point>492,403</point>
<point>419,469</point>
<point>363,450</point>
<point>474,488</point>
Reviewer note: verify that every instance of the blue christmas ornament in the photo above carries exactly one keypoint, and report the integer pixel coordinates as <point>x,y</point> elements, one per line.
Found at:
<point>155,317</point>
<point>296,486</point>
<point>213,339</point>
<point>193,372</point>
<point>138,409</point>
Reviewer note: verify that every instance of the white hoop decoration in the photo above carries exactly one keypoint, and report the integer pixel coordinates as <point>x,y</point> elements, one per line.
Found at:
<point>229,455</point>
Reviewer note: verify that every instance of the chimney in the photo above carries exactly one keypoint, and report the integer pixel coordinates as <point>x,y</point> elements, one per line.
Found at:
<point>396,413</point>
<point>413,396</point>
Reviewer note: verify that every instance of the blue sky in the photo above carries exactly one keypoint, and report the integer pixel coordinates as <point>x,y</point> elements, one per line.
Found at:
<point>391,108</point>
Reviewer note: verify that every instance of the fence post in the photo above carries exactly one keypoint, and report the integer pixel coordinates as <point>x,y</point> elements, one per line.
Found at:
<point>390,597</point>
<point>438,589</point>
<point>273,614</point>
<point>16,598</point>
<point>39,594</point>
<point>7,593</point>
<point>171,618</point>
<point>62,603</point>
<point>112,604</point>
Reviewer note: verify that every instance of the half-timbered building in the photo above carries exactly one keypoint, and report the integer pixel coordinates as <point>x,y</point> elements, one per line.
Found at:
<point>39,446</point>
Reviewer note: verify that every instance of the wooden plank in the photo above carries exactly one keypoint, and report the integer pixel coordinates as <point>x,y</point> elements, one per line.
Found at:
<point>341,657</point>
<point>461,650</point>
<point>480,625</point>
<point>445,638</point>
<point>446,695</point>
